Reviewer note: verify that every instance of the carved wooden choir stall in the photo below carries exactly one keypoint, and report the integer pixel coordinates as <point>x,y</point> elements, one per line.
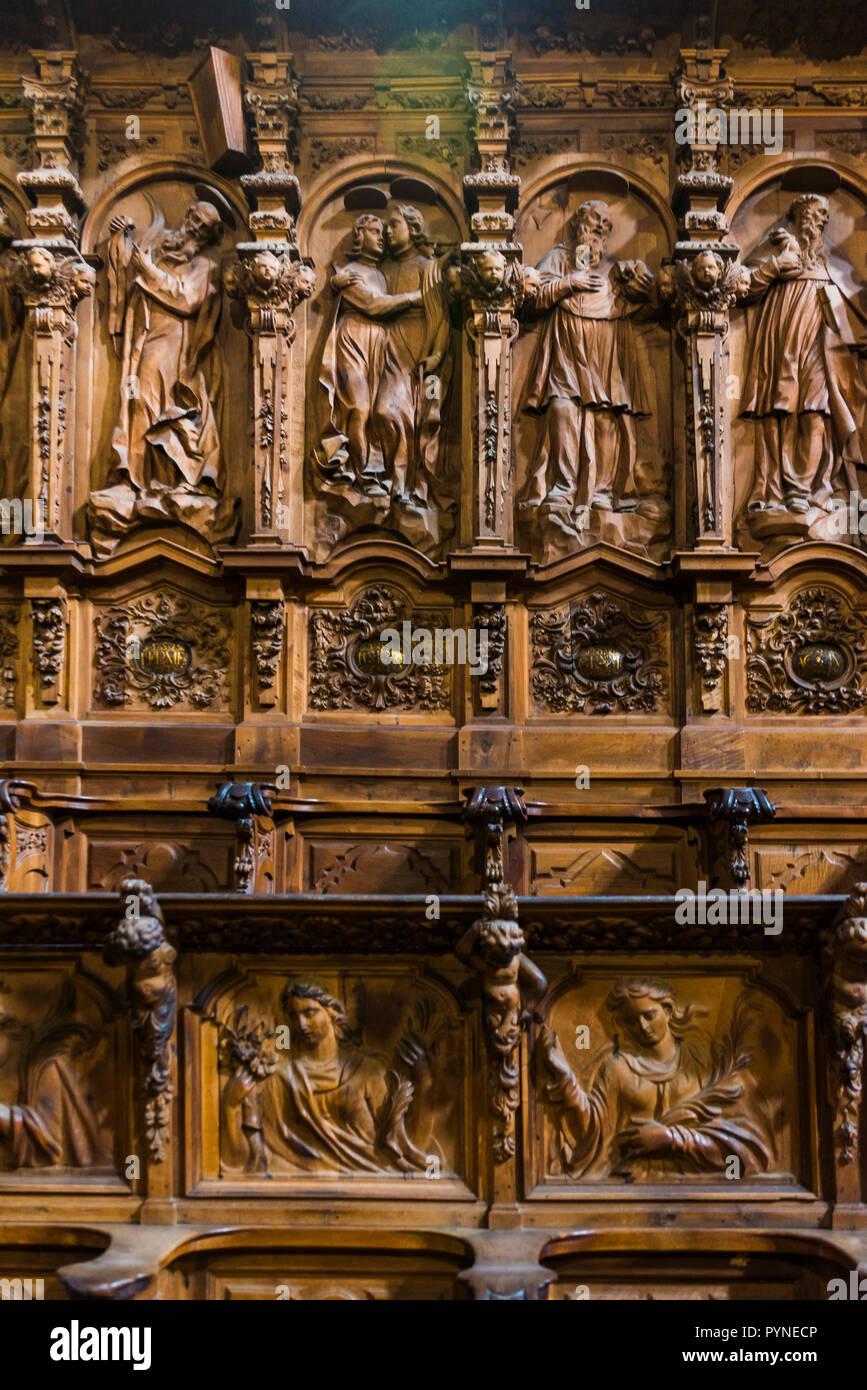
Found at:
<point>433,852</point>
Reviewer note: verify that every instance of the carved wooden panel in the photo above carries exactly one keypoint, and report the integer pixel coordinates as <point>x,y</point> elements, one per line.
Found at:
<point>310,1075</point>
<point>614,866</point>
<point>172,863</point>
<point>599,655</point>
<point>810,658</point>
<point>64,1064</point>
<point>822,866</point>
<point>163,651</point>
<point>662,1076</point>
<point>371,866</point>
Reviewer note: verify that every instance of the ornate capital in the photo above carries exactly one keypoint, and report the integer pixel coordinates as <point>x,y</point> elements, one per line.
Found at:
<point>271,281</point>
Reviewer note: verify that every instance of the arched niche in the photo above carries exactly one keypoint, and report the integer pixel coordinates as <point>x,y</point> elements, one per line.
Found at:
<point>337,511</point>
<point>761,205</point>
<point>155,198</point>
<point>643,229</point>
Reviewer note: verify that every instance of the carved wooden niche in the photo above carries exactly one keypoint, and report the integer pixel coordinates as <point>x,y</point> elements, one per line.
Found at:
<point>311,1074</point>
<point>383,426</point>
<point>809,657</point>
<point>168,403</point>
<point>163,650</point>
<point>799,417</point>
<point>600,654</point>
<point>593,334</point>
<point>64,1069</point>
<point>379,653</point>
<point>656,1075</point>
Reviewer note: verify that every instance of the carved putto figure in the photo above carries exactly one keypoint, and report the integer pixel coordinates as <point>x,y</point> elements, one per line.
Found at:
<point>325,1106</point>
<point>385,372</point>
<point>164,307</point>
<point>804,385</point>
<point>589,379</point>
<point>664,1098</point>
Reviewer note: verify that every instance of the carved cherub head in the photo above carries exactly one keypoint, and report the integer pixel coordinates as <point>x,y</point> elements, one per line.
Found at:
<point>491,270</point>
<point>305,280</point>
<point>266,270</point>
<point>40,265</point>
<point>707,270</point>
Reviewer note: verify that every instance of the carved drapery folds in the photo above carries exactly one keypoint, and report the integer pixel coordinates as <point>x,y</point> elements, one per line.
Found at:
<point>353,666</point>
<point>599,656</point>
<point>139,941</point>
<point>248,806</point>
<point>810,658</point>
<point>732,811</point>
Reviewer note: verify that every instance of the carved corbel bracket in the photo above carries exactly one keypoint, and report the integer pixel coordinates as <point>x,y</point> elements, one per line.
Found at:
<point>248,805</point>
<point>732,811</point>
<point>488,811</point>
<point>139,941</point>
<point>15,796</point>
<point>845,950</point>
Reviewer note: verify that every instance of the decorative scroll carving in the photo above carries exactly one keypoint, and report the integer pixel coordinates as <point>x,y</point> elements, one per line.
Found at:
<point>48,616</point>
<point>350,666</point>
<point>732,811</point>
<point>267,619</point>
<point>248,805</point>
<point>810,659</point>
<point>491,618</point>
<point>167,463</point>
<point>597,657</point>
<point>589,383</point>
<point>667,1097</point>
<point>50,1120</point>
<point>511,987</point>
<point>326,1104</point>
<point>803,385</point>
<point>385,374</point>
<point>9,649</point>
<point>14,795</point>
<point>162,650</point>
<point>846,964</point>
<point>139,942</point>
<point>710,643</point>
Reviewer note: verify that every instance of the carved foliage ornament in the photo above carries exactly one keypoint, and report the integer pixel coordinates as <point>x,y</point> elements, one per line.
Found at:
<point>810,659</point>
<point>163,649</point>
<point>846,957</point>
<point>598,657</point>
<point>350,665</point>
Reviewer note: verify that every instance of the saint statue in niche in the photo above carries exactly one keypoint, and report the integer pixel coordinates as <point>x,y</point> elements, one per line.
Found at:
<point>590,382</point>
<point>665,1099</point>
<point>48,1118</point>
<point>163,310</point>
<point>804,385</point>
<point>385,372</point>
<point>325,1106</point>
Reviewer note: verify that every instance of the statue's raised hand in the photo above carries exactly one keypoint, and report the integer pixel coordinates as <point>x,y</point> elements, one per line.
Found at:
<point>121,223</point>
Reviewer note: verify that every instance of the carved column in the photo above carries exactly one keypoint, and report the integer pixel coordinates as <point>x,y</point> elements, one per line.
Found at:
<point>270,280</point>
<point>492,289</point>
<point>511,985</point>
<point>50,276</point>
<point>845,952</point>
<point>140,943</point>
<point>248,805</point>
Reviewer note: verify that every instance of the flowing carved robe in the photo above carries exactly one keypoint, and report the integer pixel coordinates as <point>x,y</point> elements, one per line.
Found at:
<point>321,1116</point>
<point>730,1119</point>
<point>168,315</point>
<point>588,350</point>
<point>801,357</point>
<point>56,1125</point>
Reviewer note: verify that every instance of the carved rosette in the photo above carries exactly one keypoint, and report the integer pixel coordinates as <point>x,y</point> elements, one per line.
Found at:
<point>160,651</point>
<point>48,618</point>
<point>598,656</point>
<point>710,642</point>
<point>139,942</point>
<point>267,620</point>
<point>809,659</point>
<point>846,966</point>
<point>350,666</point>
